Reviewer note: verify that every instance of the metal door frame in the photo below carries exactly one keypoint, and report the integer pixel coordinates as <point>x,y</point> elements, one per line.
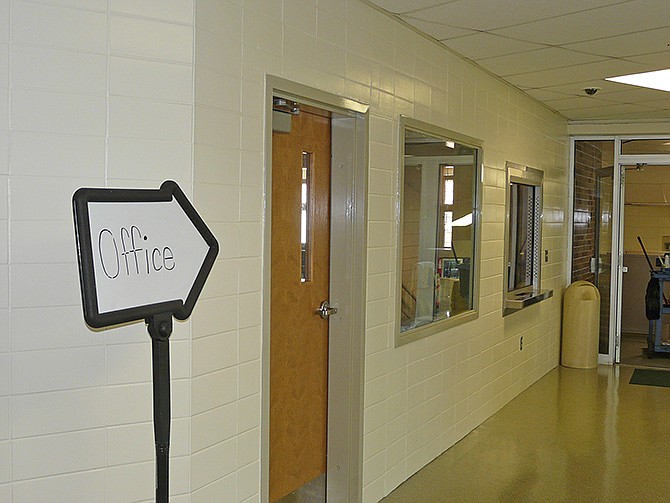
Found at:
<point>618,215</point>
<point>631,160</point>
<point>346,352</point>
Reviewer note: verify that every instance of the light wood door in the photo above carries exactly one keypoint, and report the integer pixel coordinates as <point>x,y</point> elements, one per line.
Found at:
<point>300,282</point>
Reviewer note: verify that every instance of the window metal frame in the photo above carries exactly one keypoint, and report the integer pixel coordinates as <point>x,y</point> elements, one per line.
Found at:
<point>515,299</point>
<point>434,327</point>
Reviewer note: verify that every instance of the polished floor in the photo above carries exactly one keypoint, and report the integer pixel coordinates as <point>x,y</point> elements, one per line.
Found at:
<point>634,352</point>
<point>312,492</point>
<point>574,436</point>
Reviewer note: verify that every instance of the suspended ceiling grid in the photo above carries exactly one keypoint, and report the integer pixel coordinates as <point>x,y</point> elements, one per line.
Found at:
<point>554,49</point>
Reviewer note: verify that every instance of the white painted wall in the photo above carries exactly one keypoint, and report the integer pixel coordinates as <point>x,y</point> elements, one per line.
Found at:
<point>129,93</point>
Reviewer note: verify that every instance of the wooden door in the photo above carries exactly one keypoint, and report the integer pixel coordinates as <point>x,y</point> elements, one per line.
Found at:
<point>300,282</point>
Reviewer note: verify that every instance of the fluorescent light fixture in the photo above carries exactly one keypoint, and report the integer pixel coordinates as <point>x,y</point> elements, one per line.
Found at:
<point>464,221</point>
<point>659,79</point>
<point>449,144</point>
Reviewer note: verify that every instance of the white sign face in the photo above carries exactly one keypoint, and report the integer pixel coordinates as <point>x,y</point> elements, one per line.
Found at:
<point>143,253</point>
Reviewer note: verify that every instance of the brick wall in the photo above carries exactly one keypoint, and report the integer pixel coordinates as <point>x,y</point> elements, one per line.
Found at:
<point>588,157</point>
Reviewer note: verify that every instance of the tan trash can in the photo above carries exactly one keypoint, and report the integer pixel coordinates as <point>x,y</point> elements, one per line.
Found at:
<point>581,326</point>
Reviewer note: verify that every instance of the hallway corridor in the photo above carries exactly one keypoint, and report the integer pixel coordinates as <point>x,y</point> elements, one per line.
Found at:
<point>574,436</point>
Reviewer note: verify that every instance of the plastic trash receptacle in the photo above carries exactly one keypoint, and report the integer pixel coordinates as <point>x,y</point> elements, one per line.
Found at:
<point>581,326</point>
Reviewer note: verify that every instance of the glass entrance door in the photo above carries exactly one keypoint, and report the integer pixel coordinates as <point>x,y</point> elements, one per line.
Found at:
<point>603,263</point>
<point>603,248</point>
<point>593,225</point>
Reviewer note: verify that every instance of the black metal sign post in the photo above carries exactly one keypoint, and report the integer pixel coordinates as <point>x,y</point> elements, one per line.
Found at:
<point>143,254</point>
<point>160,328</point>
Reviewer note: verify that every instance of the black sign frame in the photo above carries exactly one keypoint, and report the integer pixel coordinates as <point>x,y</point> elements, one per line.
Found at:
<point>167,191</point>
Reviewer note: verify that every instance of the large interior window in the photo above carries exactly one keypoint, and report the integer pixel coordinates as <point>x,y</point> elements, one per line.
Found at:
<point>438,214</point>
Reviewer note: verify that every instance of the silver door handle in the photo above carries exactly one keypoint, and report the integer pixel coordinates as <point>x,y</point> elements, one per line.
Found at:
<point>325,311</point>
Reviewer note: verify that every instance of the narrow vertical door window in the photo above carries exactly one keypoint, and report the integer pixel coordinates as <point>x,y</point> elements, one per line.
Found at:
<point>305,218</point>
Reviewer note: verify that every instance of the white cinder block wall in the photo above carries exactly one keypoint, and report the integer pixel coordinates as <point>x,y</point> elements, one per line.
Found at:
<point>92,93</point>
<point>128,93</point>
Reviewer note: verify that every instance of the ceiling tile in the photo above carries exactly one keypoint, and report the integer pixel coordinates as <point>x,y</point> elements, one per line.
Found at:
<point>632,94</point>
<point>577,88</point>
<point>532,61</point>
<point>630,44</point>
<point>573,102</point>
<point>654,61</point>
<point>486,45</point>
<point>610,111</point>
<point>578,73</point>
<point>554,49</point>
<point>663,104</point>
<point>545,94</point>
<point>401,6</point>
<point>491,14</point>
<point>661,115</point>
<point>628,17</point>
<point>437,30</point>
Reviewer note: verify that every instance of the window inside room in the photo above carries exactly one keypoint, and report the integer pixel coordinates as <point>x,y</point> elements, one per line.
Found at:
<point>523,238</point>
<point>525,229</point>
<point>439,227</point>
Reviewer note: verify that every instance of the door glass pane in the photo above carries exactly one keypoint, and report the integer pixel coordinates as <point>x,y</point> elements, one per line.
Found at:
<point>592,223</point>
<point>305,218</point>
<point>645,146</point>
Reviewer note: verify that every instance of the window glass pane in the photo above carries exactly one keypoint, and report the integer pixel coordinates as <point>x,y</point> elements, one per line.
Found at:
<point>646,146</point>
<point>523,246</point>
<point>448,219</point>
<point>438,234</point>
<point>305,218</point>
<point>449,191</point>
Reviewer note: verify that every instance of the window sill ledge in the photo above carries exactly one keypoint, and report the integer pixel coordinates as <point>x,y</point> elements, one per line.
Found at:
<point>516,301</point>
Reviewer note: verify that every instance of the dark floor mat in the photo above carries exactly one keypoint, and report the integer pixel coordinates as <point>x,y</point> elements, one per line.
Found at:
<point>650,377</point>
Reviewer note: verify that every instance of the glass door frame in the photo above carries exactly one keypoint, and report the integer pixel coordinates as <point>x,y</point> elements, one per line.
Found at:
<point>620,160</point>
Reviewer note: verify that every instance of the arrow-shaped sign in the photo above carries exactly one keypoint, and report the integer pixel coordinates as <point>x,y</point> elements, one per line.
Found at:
<point>141,252</point>
<point>143,255</point>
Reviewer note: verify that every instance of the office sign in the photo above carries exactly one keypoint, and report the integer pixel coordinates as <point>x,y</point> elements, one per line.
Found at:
<point>141,252</point>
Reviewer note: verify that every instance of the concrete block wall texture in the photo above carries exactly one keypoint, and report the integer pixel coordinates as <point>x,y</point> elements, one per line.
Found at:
<point>121,93</point>
<point>94,93</point>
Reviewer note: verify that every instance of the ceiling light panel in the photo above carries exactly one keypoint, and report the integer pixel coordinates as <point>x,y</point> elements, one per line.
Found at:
<point>659,79</point>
